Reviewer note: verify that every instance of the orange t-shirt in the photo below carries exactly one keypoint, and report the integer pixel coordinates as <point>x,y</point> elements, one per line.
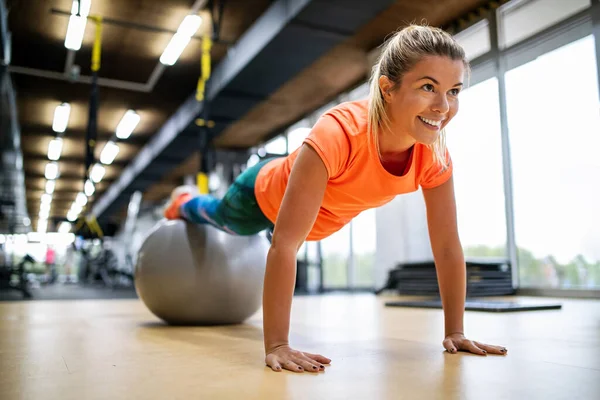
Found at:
<point>357,180</point>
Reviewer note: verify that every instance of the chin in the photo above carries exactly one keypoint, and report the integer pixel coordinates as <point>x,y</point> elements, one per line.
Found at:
<point>427,139</point>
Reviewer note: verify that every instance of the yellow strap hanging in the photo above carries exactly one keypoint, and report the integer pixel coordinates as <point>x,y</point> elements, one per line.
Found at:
<point>97,43</point>
<point>202,182</point>
<point>205,63</point>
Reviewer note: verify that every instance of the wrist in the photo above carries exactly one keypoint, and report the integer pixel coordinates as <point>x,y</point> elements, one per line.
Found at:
<point>455,333</point>
<point>273,346</point>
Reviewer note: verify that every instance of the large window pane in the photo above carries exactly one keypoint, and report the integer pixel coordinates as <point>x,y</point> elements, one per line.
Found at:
<point>474,142</point>
<point>475,40</point>
<point>555,136</point>
<point>523,19</point>
<point>336,251</point>
<point>364,245</point>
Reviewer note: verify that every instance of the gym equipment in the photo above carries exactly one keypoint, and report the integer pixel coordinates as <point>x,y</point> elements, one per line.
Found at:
<point>481,305</point>
<point>189,274</point>
<point>485,277</point>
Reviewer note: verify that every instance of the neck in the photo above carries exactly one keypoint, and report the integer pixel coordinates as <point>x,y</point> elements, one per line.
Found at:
<point>395,145</point>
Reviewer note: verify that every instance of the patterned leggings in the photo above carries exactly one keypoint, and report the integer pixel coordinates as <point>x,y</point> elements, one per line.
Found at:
<point>237,212</point>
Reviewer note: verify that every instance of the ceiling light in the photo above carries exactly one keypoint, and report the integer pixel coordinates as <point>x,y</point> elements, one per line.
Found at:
<point>89,188</point>
<point>97,173</point>
<point>61,117</point>
<point>76,27</point>
<point>76,208</point>
<point>45,207</point>
<point>127,124</point>
<point>50,185</point>
<point>64,227</point>
<point>180,40</point>
<point>54,149</point>
<point>72,215</point>
<point>46,198</point>
<point>44,214</point>
<point>42,225</point>
<point>109,152</point>
<point>51,171</point>
<point>81,199</point>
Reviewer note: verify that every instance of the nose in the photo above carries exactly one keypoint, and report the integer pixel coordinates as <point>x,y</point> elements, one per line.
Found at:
<point>441,104</point>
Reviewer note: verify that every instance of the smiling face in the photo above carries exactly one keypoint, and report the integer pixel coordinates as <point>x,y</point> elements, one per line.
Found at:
<point>425,100</point>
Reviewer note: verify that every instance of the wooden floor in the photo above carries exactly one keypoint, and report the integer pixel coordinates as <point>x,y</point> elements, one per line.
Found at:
<point>116,349</point>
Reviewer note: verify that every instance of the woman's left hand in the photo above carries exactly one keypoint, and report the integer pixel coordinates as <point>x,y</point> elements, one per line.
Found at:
<point>458,342</point>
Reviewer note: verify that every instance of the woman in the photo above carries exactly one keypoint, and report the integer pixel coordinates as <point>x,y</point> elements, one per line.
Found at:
<point>359,155</point>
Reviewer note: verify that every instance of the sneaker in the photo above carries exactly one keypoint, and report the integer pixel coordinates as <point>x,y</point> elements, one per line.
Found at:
<point>179,196</point>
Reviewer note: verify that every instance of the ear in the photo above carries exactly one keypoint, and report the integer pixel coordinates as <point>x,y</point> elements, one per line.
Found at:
<point>386,85</point>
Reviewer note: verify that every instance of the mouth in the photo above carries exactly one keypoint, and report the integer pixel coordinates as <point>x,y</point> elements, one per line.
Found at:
<point>430,123</point>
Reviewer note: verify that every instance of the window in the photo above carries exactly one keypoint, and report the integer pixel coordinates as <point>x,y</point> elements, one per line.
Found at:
<point>520,20</point>
<point>554,140</point>
<point>475,40</point>
<point>336,251</point>
<point>474,142</point>
<point>364,246</point>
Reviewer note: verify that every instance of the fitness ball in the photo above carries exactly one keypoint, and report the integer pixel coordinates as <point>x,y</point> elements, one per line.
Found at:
<point>189,274</point>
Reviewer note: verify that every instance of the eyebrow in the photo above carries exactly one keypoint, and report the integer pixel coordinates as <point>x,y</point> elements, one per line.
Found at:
<point>436,82</point>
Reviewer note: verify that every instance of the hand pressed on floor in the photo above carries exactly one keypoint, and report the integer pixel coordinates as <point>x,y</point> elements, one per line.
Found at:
<point>457,341</point>
<point>284,357</point>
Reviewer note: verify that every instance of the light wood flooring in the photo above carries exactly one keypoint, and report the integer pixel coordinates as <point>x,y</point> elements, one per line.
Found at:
<point>116,349</point>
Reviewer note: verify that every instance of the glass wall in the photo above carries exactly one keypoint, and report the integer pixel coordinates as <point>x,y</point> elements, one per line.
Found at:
<point>474,142</point>
<point>554,130</point>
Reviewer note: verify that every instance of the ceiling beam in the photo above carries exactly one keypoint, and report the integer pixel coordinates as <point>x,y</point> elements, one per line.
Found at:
<point>29,156</point>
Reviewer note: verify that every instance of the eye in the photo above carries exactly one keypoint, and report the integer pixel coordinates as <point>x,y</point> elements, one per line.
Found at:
<point>454,92</point>
<point>428,87</point>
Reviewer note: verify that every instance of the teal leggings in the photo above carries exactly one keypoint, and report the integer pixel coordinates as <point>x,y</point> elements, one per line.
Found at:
<point>237,212</point>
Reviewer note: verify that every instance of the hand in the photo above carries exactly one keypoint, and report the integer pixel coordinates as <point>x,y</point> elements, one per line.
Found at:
<point>296,361</point>
<point>457,342</point>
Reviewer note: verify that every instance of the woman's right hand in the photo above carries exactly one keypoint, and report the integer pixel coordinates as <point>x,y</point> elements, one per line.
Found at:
<point>284,357</point>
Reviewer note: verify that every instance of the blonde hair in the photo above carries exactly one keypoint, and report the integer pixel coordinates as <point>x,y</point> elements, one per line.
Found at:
<point>400,53</point>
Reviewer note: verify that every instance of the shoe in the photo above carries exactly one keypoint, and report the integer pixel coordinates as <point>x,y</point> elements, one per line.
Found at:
<point>179,196</point>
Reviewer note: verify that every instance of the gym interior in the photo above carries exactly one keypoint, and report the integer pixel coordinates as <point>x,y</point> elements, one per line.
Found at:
<point>107,106</point>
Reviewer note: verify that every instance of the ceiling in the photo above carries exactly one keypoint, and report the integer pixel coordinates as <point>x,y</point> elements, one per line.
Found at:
<point>274,62</point>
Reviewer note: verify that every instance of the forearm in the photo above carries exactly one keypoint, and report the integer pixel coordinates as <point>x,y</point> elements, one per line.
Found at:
<point>280,277</point>
<point>451,272</point>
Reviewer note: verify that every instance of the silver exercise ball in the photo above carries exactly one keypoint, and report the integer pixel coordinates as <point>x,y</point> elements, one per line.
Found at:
<point>189,274</point>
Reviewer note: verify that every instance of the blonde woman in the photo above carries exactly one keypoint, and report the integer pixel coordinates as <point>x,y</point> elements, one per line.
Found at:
<point>359,155</point>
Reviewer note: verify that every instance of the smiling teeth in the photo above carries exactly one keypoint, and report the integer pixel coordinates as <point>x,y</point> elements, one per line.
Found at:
<point>430,122</point>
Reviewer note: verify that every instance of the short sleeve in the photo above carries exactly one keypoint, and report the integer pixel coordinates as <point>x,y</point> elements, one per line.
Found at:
<point>437,173</point>
<point>329,139</point>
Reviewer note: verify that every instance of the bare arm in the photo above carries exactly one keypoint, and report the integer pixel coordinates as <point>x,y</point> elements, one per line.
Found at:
<point>298,212</point>
<point>447,253</point>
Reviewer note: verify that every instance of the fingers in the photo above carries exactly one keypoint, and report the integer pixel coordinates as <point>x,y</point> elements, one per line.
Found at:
<point>473,348</point>
<point>492,349</point>
<point>308,364</point>
<point>449,346</point>
<point>318,358</point>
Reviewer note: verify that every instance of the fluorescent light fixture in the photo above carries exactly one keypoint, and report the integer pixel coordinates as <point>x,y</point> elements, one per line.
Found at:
<point>127,124</point>
<point>55,148</point>
<point>61,117</point>
<point>89,188</point>
<point>76,27</point>
<point>109,152</point>
<point>72,215</point>
<point>174,49</point>
<point>180,40</point>
<point>45,207</point>
<point>97,173</point>
<point>81,199</point>
<point>76,208</point>
<point>44,214</point>
<point>64,227</point>
<point>190,25</point>
<point>46,198</point>
<point>51,171</point>
<point>50,185</point>
<point>42,225</point>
